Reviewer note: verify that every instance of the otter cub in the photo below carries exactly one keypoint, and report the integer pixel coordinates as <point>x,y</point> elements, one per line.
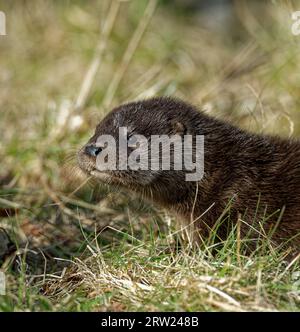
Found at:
<point>250,178</point>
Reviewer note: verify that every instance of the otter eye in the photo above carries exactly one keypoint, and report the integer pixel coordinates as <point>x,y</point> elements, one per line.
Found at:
<point>132,141</point>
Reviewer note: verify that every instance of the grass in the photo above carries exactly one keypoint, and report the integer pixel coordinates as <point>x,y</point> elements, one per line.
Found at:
<point>87,248</point>
<point>154,274</point>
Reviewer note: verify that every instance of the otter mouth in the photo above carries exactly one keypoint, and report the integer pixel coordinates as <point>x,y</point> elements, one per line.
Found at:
<point>111,178</point>
<point>89,168</point>
<point>100,175</point>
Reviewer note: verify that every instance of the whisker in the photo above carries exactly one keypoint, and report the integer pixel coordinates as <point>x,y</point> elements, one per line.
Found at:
<point>80,186</point>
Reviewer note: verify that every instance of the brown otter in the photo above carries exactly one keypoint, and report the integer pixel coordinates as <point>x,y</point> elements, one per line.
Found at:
<point>247,177</point>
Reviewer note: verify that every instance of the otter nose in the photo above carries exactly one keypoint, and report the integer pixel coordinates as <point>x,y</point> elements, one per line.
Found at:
<point>92,150</point>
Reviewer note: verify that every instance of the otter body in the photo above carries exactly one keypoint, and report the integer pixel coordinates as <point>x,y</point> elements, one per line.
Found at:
<point>248,177</point>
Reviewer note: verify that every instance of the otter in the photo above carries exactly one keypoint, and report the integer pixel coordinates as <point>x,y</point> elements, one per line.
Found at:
<point>248,179</point>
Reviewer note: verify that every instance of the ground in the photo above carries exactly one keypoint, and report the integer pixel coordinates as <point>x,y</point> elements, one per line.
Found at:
<point>85,247</point>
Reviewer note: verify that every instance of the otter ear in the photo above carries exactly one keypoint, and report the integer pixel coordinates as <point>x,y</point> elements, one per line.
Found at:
<point>178,128</point>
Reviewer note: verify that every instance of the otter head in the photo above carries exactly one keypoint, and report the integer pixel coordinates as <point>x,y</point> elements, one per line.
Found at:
<point>119,152</point>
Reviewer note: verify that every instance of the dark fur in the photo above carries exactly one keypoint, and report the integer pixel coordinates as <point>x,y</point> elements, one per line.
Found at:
<point>257,175</point>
